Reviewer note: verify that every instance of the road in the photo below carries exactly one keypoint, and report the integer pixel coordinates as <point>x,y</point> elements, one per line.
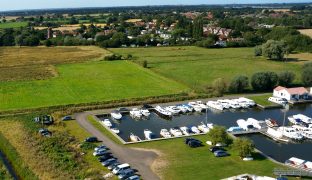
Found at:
<point>138,159</point>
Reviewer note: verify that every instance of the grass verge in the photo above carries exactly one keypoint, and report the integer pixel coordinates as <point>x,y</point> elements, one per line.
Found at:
<point>263,100</point>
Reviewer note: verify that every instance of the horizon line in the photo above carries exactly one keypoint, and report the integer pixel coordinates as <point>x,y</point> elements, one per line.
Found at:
<point>213,4</point>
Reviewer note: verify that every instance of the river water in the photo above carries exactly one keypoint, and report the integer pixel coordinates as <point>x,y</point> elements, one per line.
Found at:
<point>277,151</point>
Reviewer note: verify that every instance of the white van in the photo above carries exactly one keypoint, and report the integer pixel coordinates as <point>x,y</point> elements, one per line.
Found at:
<point>120,168</point>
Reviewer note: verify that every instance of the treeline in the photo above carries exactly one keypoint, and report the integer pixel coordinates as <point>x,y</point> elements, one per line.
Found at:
<point>262,81</point>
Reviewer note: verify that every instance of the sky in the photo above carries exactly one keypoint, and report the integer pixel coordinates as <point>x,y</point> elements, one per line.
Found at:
<point>41,4</point>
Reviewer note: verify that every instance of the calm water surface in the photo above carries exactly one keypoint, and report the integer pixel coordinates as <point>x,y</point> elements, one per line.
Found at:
<point>278,151</point>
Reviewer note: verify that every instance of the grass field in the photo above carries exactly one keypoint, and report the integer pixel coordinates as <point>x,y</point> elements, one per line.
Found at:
<point>197,67</point>
<point>263,99</point>
<point>13,25</point>
<point>86,82</point>
<point>184,163</point>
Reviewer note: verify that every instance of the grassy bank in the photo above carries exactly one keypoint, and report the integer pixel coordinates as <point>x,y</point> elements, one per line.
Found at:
<point>263,99</point>
<point>198,67</point>
<point>182,162</point>
<point>19,166</point>
<point>4,174</point>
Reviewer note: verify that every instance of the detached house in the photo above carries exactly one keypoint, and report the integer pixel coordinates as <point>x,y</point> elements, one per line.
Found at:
<point>291,94</point>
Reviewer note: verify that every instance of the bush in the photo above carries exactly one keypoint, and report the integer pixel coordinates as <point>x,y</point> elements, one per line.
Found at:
<point>307,75</point>
<point>218,135</point>
<point>286,78</point>
<point>144,64</point>
<point>239,84</point>
<point>258,51</point>
<point>113,57</point>
<point>219,86</point>
<point>244,146</point>
<point>263,81</point>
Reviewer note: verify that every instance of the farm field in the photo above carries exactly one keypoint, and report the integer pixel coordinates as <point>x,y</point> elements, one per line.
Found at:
<point>198,67</point>
<point>33,63</point>
<point>13,25</point>
<point>86,82</point>
<point>307,32</point>
<point>181,162</point>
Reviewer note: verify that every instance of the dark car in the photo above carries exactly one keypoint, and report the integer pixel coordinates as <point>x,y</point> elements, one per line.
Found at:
<point>147,106</point>
<point>67,118</point>
<point>187,140</point>
<point>220,153</point>
<point>45,132</point>
<point>105,157</point>
<point>126,173</point>
<point>123,109</point>
<point>134,177</point>
<point>91,139</point>
<point>109,162</point>
<point>216,148</point>
<point>194,143</point>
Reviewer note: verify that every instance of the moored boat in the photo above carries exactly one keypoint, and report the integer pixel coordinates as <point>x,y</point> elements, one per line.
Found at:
<point>165,133</point>
<point>271,122</point>
<point>134,138</point>
<point>116,115</point>
<point>175,132</point>
<point>185,130</point>
<point>148,134</point>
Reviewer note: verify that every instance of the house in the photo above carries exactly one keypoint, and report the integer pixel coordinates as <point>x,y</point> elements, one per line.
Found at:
<point>290,94</point>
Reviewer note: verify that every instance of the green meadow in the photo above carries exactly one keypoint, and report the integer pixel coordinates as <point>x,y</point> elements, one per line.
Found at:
<point>13,25</point>
<point>86,82</point>
<point>198,67</point>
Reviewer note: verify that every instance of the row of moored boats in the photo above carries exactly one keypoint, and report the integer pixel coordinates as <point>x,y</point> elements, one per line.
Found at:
<point>299,163</point>
<point>174,132</point>
<point>300,129</point>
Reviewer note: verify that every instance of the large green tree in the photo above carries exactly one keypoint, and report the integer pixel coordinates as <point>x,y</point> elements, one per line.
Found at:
<point>274,50</point>
<point>263,81</point>
<point>218,135</point>
<point>244,146</point>
<point>239,84</point>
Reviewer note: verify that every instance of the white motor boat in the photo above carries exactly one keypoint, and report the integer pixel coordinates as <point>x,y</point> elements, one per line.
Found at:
<point>203,128</point>
<point>225,104</point>
<point>162,111</point>
<point>116,115</point>
<point>307,134</point>
<point>244,124</point>
<point>250,102</point>
<point>210,125</point>
<point>276,100</point>
<point>182,108</point>
<point>300,118</point>
<point>195,106</point>
<point>271,122</point>
<point>215,105</point>
<point>135,113</point>
<point>115,130</point>
<point>185,130</point>
<point>256,123</point>
<point>290,132</point>
<point>134,138</point>
<point>234,104</point>
<point>165,133</point>
<point>145,112</point>
<point>173,109</point>
<point>107,123</point>
<point>148,134</point>
<point>202,105</point>
<point>175,132</point>
<point>195,130</point>
<point>188,107</point>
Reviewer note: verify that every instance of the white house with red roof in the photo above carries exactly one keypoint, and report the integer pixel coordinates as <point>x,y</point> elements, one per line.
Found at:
<point>297,93</point>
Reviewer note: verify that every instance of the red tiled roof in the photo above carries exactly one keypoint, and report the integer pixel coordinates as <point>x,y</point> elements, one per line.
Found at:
<point>297,90</point>
<point>278,88</point>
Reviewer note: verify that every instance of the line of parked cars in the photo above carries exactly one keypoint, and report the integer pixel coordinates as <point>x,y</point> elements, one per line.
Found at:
<point>122,170</point>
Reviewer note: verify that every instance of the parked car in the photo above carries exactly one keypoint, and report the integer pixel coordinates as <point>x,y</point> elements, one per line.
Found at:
<point>45,132</point>
<point>248,158</point>
<point>126,173</point>
<point>216,148</point>
<point>220,153</point>
<point>101,147</point>
<point>113,165</point>
<point>100,153</point>
<point>105,157</point>
<point>109,162</point>
<point>187,140</point>
<point>194,144</point>
<point>123,109</point>
<point>91,139</point>
<point>134,177</point>
<point>120,168</point>
<point>67,118</point>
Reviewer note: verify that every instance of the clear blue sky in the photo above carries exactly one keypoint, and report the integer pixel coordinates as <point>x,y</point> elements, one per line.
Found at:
<point>39,4</point>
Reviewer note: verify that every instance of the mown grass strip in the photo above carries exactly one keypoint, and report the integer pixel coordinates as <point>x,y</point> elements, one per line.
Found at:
<point>96,124</point>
